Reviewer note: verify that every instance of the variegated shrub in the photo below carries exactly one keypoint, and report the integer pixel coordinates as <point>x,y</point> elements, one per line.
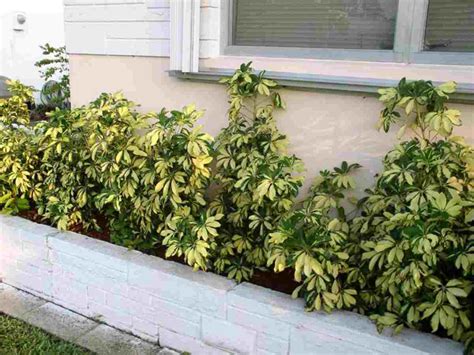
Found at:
<point>147,173</point>
<point>315,242</point>
<point>257,180</point>
<point>18,150</point>
<point>417,225</point>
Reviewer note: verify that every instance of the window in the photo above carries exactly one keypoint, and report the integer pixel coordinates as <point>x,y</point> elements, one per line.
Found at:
<point>450,26</point>
<point>421,31</point>
<point>344,24</point>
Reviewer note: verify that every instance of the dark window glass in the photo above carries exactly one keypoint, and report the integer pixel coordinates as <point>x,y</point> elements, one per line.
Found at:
<point>346,24</point>
<point>450,26</point>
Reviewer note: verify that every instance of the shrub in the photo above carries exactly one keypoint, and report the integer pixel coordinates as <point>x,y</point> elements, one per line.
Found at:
<point>315,242</point>
<point>417,223</point>
<point>18,150</point>
<point>147,173</point>
<point>256,178</point>
<point>71,175</point>
<point>55,64</point>
<point>154,183</point>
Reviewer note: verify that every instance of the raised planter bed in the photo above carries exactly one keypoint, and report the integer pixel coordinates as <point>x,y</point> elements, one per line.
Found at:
<point>167,302</point>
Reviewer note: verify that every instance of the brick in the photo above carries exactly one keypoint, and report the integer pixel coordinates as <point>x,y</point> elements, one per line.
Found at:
<point>229,336</point>
<point>265,302</point>
<point>176,310</point>
<point>95,295</point>
<point>303,341</point>
<point>195,311</point>
<point>267,343</point>
<point>83,276</point>
<point>33,253</point>
<point>92,250</point>
<point>110,316</point>
<point>78,264</point>
<point>192,345</point>
<point>10,244</point>
<point>39,284</point>
<point>143,327</point>
<point>69,293</point>
<point>180,321</point>
<point>200,291</point>
<point>176,324</point>
<point>138,295</point>
<point>259,323</point>
<point>125,304</point>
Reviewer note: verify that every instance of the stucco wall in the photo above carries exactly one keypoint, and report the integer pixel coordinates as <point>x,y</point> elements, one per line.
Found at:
<point>324,128</point>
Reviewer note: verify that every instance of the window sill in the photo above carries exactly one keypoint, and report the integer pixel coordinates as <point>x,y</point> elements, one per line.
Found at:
<point>346,76</point>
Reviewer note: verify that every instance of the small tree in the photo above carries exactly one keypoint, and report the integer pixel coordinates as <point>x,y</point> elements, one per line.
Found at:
<point>417,223</point>
<point>256,178</point>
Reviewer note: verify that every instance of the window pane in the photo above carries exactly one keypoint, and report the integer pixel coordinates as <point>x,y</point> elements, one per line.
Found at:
<point>450,26</point>
<point>347,24</point>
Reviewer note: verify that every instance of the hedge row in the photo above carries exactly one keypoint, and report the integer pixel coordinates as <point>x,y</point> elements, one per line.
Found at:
<point>406,259</point>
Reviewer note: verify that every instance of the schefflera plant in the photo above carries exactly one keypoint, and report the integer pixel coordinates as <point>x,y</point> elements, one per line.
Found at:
<point>19,157</point>
<point>155,169</point>
<point>257,180</point>
<point>417,225</point>
<point>79,147</point>
<point>68,191</point>
<point>315,242</point>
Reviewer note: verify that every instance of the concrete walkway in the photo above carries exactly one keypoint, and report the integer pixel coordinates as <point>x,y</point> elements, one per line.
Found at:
<point>72,327</point>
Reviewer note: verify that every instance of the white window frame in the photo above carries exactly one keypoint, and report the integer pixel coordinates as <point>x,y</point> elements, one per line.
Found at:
<point>408,42</point>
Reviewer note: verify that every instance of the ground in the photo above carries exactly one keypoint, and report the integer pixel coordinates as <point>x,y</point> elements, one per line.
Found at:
<point>30,325</point>
<point>17,337</point>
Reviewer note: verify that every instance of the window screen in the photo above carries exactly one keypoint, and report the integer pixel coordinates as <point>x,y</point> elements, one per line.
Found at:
<point>346,24</point>
<point>450,26</point>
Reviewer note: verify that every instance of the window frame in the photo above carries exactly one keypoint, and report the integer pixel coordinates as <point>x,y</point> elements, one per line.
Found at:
<point>408,42</point>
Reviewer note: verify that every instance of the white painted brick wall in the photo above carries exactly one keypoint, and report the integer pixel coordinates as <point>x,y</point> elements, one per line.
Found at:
<point>132,27</point>
<point>198,312</point>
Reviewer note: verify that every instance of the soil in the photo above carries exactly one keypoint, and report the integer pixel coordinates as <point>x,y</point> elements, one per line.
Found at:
<point>282,282</point>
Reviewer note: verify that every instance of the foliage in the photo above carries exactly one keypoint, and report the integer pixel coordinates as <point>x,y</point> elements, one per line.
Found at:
<point>68,190</point>
<point>14,110</point>
<point>18,155</point>
<point>148,179</point>
<point>315,242</point>
<point>255,177</point>
<point>417,224</point>
<point>55,65</point>
<point>17,337</point>
<point>154,183</point>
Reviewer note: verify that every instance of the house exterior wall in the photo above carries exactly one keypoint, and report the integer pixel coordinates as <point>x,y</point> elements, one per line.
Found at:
<point>323,128</point>
<point>132,27</point>
<point>124,45</point>
<point>20,44</point>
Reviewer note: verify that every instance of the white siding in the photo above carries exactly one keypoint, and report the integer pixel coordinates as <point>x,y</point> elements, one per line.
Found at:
<point>132,27</point>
